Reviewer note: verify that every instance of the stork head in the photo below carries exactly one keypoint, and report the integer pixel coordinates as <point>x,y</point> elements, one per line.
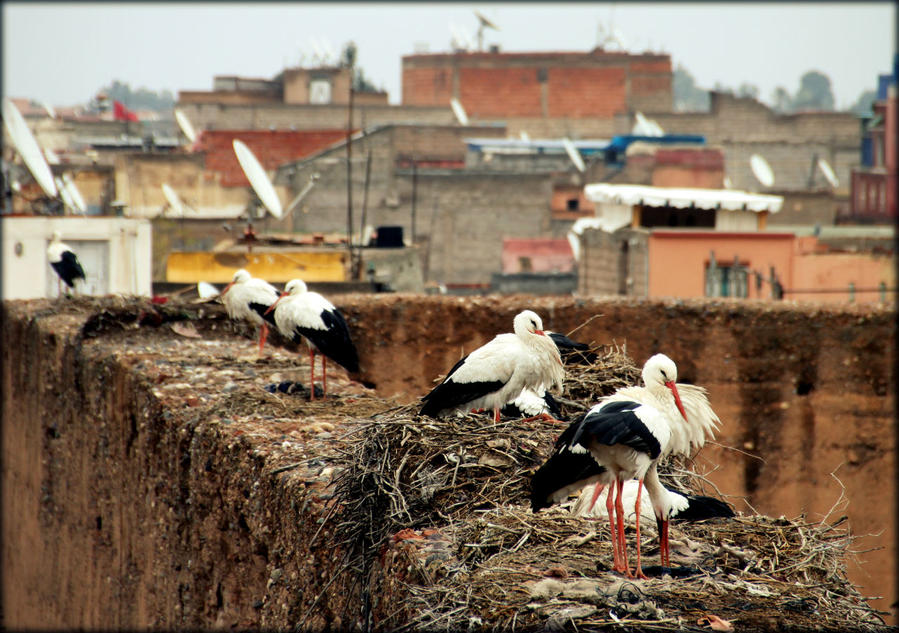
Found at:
<point>240,277</point>
<point>661,372</point>
<point>295,287</point>
<point>528,322</point>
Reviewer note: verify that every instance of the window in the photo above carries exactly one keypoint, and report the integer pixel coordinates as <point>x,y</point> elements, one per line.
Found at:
<point>723,279</point>
<point>320,91</point>
<point>573,204</point>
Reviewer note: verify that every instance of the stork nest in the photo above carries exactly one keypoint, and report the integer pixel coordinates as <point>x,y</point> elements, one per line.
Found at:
<point>433,514</point>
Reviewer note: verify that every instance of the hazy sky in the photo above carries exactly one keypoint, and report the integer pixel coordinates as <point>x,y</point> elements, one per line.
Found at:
<point>63,53</point>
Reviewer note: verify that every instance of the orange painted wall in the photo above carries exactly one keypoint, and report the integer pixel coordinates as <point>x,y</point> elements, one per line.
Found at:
<point>677,262</point>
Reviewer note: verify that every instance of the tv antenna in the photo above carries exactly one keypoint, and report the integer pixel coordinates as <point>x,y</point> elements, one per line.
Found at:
<point>828,172</point>
<point>573,154</point>
<point>459,111</point>
<point>186,128</point>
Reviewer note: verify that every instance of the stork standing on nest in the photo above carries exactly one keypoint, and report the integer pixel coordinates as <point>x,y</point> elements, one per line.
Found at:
<point>304,315</point>
<point>499,370</point>
<point>64,261</point>
<point>248,297</point>
<point>626,434</point>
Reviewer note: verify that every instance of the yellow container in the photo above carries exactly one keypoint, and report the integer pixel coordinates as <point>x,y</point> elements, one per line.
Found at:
<point>273,266</point>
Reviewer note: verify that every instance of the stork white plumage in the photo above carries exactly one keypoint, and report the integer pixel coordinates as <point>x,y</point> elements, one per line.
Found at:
<point>64,261</point>
<point>499,370</point>
<point>301,314</point>
<point>248,297</point>
<point>626,434</point>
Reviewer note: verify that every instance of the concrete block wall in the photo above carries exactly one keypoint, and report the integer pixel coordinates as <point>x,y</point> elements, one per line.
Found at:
<point>606,267</point>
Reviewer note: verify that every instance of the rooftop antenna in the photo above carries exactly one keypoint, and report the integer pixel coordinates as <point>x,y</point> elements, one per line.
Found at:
<point>184,123</point>
<point>573,154</point>
<point>828,172</point>
<point>483,23</point>
<point>49,108</point>
<point>174,202</point>
<point>459,42</point>
<point>28,148</point>
<point>68,184</point>
<point>762,170</point>
<point>459,111</point>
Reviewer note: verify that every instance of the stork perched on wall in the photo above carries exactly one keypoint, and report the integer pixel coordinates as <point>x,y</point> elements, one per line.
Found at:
<point>64,261</point>
<point>626,434</point>
<point>499,370</point>
<point>304,315</point>
<point>250,298</point>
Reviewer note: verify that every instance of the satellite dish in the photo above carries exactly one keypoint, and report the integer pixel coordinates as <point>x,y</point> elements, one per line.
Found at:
<point>185,125</point>
<point>727,183</point>
<point>206,290</point>
<point>49,108</point>
<point>459,111</point>
<point>64,194</point>
<point>258,178</point>
<point>524,136</point>
<point>51,156</point>
<point>484,23</point>
<point>827,170</point>
<point>646,127</point>
<point>174,201</point>
<point>68,184</point>
<point>459,40</point>
<point>762,170</point>
<point>28,148</point>
<point>573,154</point>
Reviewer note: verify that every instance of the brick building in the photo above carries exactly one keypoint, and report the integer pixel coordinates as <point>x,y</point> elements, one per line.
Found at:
<point>873,184</point>
<point>554,85</point>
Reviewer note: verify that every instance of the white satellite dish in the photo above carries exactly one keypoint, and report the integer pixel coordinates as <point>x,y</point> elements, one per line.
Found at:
<point>258,178</point>
<point>762,170</point>
<point>727,183</point>
<point>49,108</point>
<point>573,154</point>
<point>459,40</point>
<point>185,125</point>
<point>206,290</point>
<point>459,111</point>
<point>28,148</point>
<point>524,136</point>
<point>174,201</point>
<point>64,194</point>
<point>483,23</point>
<point>646,127</point>
<point>51,156</point>
<point>68,184</point>
<point>827,170</point>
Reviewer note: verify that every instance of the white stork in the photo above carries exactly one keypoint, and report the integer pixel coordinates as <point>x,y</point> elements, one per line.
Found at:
<point>64,262</point>
<point>301,314</point>
<point>626,434</point>
<point>248,297</point>
<point>499,370</point>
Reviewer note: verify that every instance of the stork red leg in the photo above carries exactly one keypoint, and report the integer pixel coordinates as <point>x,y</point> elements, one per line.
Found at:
<point>263,334</point>
<point>616,550</point>
<point>639,571</point>
<point>664,549</point>
<point>495,415</point>
<point>543,416</point>
<point>596,492</point>
<point>619,511</point>
<point>324,376</point>
<point>311,374</point>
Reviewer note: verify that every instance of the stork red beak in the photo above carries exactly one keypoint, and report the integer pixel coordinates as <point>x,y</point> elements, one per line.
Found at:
<point>540,332</point>
<point>227,288</point>
<point>272,307</point>
<point>680,407</point>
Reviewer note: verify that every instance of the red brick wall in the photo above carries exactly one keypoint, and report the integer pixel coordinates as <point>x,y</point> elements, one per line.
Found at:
<point>587,92</point>
<point>272,148</point>
<point>576,85</point>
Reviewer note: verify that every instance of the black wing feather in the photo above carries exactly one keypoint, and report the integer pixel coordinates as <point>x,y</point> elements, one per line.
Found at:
<point>261,308</point>
<point>334,341</point>
<point>564,469</point>
<point>68,268</point>
<point>616,423</point>
<point>702,507</point>
<point>450,394</point>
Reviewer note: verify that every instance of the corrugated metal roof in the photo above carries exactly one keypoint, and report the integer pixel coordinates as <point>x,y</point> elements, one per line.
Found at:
<point>683,197</point>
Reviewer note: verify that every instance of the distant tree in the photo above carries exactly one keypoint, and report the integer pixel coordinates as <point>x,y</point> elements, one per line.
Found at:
<point>815,92</point>
<point>748,90</point>
<point>781,100</point>
<point>687,95</point>
<point>141,99</point>
<point>348,56</point>
<point>863,105</point>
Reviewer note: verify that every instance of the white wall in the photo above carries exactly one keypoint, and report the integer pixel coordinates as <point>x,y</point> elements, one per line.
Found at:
<point>726,220</point>
<point>114,252</point>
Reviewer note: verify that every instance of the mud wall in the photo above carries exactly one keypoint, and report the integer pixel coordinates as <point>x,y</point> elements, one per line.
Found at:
<point>125,510</point>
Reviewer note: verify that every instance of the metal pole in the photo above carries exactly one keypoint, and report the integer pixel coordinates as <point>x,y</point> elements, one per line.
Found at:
<point>883,291</point>
<point>414,194</point>
<point>365,195</point>
<point>349,182</point>
<point>851,292</point>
